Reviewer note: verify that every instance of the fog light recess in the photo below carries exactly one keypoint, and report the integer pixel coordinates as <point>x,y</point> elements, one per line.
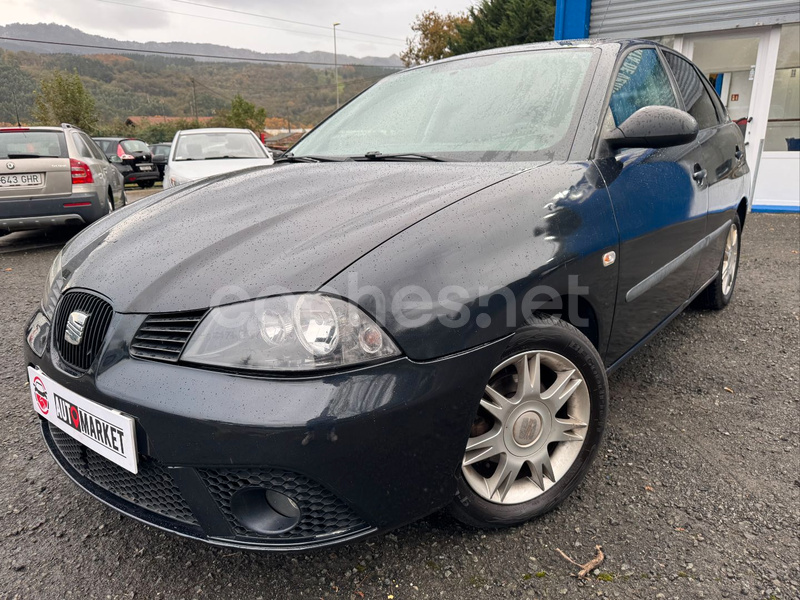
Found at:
<point>265,511</point>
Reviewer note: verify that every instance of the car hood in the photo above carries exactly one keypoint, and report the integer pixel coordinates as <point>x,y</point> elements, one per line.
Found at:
<point>263,231</point>
<point>189,170</point>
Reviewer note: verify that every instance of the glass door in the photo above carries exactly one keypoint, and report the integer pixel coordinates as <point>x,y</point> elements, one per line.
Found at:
<point>757,75</point>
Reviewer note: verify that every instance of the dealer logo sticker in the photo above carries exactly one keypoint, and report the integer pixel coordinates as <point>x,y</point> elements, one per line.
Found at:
<point>40,392</point>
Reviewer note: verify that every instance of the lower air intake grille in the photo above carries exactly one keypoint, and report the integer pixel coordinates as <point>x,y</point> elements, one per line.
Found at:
<point>322,513</point>
<point>163,336</point>
<point>151,488</point>
<point>92,331</point>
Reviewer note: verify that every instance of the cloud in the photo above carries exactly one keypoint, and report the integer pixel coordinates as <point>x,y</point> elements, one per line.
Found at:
<point>155,20</point>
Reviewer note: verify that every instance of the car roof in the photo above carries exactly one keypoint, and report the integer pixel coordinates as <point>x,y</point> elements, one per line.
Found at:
<point>612,44</point>
<point>213,130</point>
<point>26,128</point>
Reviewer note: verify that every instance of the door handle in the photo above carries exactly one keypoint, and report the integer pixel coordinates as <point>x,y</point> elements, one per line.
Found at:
<point>699,174</point>
<point>738,154</point>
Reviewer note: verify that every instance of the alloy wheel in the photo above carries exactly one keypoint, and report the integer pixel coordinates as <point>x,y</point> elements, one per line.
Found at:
<point>730,259</point>
<point>530,428</point>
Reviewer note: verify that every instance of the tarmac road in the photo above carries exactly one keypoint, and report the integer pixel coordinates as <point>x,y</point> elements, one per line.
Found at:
<point>695,492</point>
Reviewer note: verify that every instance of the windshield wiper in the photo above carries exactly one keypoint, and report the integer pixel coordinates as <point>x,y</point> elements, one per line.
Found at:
<point>375,155</point>
<point>291,158</point>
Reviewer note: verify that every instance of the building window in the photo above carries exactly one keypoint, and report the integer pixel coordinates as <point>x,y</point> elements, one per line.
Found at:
<point>783,127</point>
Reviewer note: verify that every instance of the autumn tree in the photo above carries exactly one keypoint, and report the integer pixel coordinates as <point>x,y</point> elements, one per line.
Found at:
<point>497,23</point>
<point>433,38</point>
<point>63,99</point>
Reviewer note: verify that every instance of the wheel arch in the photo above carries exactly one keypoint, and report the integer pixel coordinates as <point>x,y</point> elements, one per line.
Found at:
<point>584,319</point>
<point>741,210</point>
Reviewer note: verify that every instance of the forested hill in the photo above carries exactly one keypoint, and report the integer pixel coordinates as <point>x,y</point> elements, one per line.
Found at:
<point>141,84</point>
<point>69,35</point>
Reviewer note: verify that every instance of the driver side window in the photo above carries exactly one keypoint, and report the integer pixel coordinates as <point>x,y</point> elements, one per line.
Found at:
<point>641,81</point>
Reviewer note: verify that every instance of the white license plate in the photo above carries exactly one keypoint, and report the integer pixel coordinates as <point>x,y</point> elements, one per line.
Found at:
<point>145,167</point>
<point>108,432</point>
<point>21,179</point>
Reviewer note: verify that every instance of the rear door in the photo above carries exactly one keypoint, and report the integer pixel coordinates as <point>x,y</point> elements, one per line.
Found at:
<point>660,201</point>
<point>33,164</point>
<point>722,145</point>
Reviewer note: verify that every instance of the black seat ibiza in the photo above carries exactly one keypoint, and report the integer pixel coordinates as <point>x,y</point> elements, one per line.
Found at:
<point>415,308</point>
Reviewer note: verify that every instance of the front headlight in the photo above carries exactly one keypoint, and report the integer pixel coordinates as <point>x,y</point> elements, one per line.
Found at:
<point>288,333</point>
<point>52,287</point>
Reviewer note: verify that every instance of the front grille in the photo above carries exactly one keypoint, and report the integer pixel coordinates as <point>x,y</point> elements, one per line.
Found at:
<point>322,513</point>
<point>163,336</point>
<point>94,331</point>
<point>151,488</point>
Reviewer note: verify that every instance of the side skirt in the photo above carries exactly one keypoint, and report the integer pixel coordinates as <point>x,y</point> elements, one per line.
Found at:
<point>622,359</point>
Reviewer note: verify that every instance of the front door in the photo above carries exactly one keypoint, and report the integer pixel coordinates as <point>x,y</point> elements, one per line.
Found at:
<point>660,201</point>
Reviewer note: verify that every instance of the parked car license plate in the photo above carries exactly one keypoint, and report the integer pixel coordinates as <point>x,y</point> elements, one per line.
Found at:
<point>108,432</point>
<point>21,179</point>
<point>145,167</point>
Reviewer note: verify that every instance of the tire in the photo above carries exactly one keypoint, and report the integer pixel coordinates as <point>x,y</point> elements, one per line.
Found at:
<point>145,184</point>
<point>109,203</point>
<point>551,344</point>
<point>123,198</point>
<point>719,292</point>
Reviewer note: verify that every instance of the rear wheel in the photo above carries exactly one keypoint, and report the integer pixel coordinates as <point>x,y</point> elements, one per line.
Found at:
<point>537,429</point>
<point>145,184</point>
<point>109,202</point>
<point>719,293</point>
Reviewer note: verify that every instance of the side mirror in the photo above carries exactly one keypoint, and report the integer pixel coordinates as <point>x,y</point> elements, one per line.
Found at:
<point>113,158</point>
<point>654,127</point>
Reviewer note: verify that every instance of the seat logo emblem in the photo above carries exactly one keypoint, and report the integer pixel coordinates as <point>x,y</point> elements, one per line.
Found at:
<point>76,323</point>
<point>10,166</point>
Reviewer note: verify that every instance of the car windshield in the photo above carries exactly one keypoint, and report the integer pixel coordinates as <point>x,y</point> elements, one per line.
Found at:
<point>216,145</point>
<point>134,146</point>
<point>32,144</point>
<point>513,106</point>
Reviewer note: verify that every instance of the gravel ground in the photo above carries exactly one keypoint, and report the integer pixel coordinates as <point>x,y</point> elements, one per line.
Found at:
<point>695,493</point>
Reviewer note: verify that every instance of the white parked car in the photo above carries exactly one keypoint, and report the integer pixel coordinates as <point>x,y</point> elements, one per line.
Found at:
<point>199,153</point>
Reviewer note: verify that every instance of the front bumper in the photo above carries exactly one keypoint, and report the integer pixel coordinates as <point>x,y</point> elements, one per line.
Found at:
<point>358,452</point>
<point>21,214</point>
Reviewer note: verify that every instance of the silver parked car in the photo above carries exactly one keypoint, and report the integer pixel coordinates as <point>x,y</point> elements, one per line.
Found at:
<point>199,153</point>
<point>54,176</point>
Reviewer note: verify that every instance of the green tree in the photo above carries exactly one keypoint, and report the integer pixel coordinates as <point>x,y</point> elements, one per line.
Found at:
<point>16,90</point>
<point>63,99</point>
<point>244,115</point>
<point>433,38</point>
<point>497,23</point>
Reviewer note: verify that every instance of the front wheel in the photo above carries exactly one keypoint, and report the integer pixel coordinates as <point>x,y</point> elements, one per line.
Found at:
<point>537,429</point>
<point>720,291</point>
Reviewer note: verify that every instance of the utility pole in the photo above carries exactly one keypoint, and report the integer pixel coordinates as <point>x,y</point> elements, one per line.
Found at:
<point>194,102</point>
<point>336,64</point>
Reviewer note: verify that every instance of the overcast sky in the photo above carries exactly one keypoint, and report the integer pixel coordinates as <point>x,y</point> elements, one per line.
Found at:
<point>149,20</point>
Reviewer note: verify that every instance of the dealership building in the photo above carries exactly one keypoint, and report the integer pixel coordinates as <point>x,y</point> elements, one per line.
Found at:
<point>749,50</point>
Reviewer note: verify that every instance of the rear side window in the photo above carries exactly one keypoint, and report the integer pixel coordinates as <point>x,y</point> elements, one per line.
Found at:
<point>96,152</point>
<point>33,144</point>
<point>695,94</point>
<point>81,146</point>
<point>134,146</point>
<point>161,150</point>
<point>105,146</point>
<point>641,81</point>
